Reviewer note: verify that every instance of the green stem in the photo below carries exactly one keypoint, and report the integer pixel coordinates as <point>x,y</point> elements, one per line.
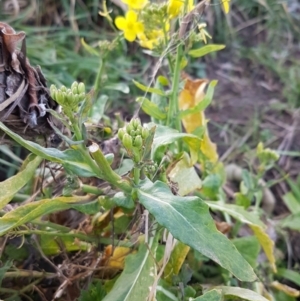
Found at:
<point>173,106</point>
<point>83,237</point>
<point>136,175</point>
<point>98,80</point>
<point>91,189</point>
<point>106,171</point>
<point>31,274</point>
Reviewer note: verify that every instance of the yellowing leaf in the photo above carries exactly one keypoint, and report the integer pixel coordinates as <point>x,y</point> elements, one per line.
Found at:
<point>254,223</point>
<point>176,261</point>
<point>266,243</point>
<point>286,289</point>
<point>192,94</point>
<point>183,173</point>
<point>118,256</point>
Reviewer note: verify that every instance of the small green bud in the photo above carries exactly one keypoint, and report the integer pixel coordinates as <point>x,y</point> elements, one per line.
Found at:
<point>81,96</point>
<point>53,94</point>
<point>81,88</point>
<point>138,131</point>
<point>53,89</point>
<point>136,123</point>
<point>129,127</point>
<point>121,133</point>
<point>127,141</point>
<point>70,97</point>
<point>132,133</point>
<point>74,90</point>
<point>74,87</point>
<point>63,89</point>
<point>76,98</point>
<point>145,133</point>
<point>60,97</point>
<point>138,141</point>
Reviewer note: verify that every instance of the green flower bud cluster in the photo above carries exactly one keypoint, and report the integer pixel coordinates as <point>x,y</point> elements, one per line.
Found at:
<point>266,156</point>
<point>68,98</point>
<point>133,137</point>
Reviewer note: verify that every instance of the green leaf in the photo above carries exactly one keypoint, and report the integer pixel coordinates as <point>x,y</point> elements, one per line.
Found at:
<point>97,111</point>
<point>213,295</point>
<point>118,87</point>
<point>122,200</point>
<point>291,222</point>
<point>89,49</point>
<point>165,135</point>
<point>148,89</point>
<point>291,202</point>
<point>70,159</point>
<point>257,226</point>
<point>51,247</point>
<point>138,275</point>
<point>205,50</point>
<point>290,275</point>
<point>151,108</point>
<point>189,220</point>
<point>249,247</point>
<point>241,293</point>
<point>31,211</point>
<point>12,185</point>
<point>160,101</point>
<point>202,105</point>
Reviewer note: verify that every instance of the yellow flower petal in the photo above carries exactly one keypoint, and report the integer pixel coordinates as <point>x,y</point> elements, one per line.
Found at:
<point>226,6</point>
<point>130,35</point>
<point>139,27</point>
<point>121,23</point>
<point>131,16</point>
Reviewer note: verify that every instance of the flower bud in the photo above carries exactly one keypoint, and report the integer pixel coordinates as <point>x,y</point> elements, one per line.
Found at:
<point>53,89</point>
<point>136,123</point>
<point>121,133</point>
<point>63,89</point>
<point>138,131</point>
<point>70,97</point>
<point>81,96</point>
<point>127,141</point>
<point>138,141</point>
<point>81,88</point>
<point>59,97</point>
<point>74,88</point>
<point>129,128</point>
<point>145,133</point>
<point>132,133</point>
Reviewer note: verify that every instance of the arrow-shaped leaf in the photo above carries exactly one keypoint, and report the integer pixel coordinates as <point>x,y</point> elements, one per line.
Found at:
<point>188,219</point>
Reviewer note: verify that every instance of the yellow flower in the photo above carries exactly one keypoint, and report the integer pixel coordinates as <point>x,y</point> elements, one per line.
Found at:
<point>130,25</point>
<point>175,7</point>
<point>226,5</point>
<point>135,4</point>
